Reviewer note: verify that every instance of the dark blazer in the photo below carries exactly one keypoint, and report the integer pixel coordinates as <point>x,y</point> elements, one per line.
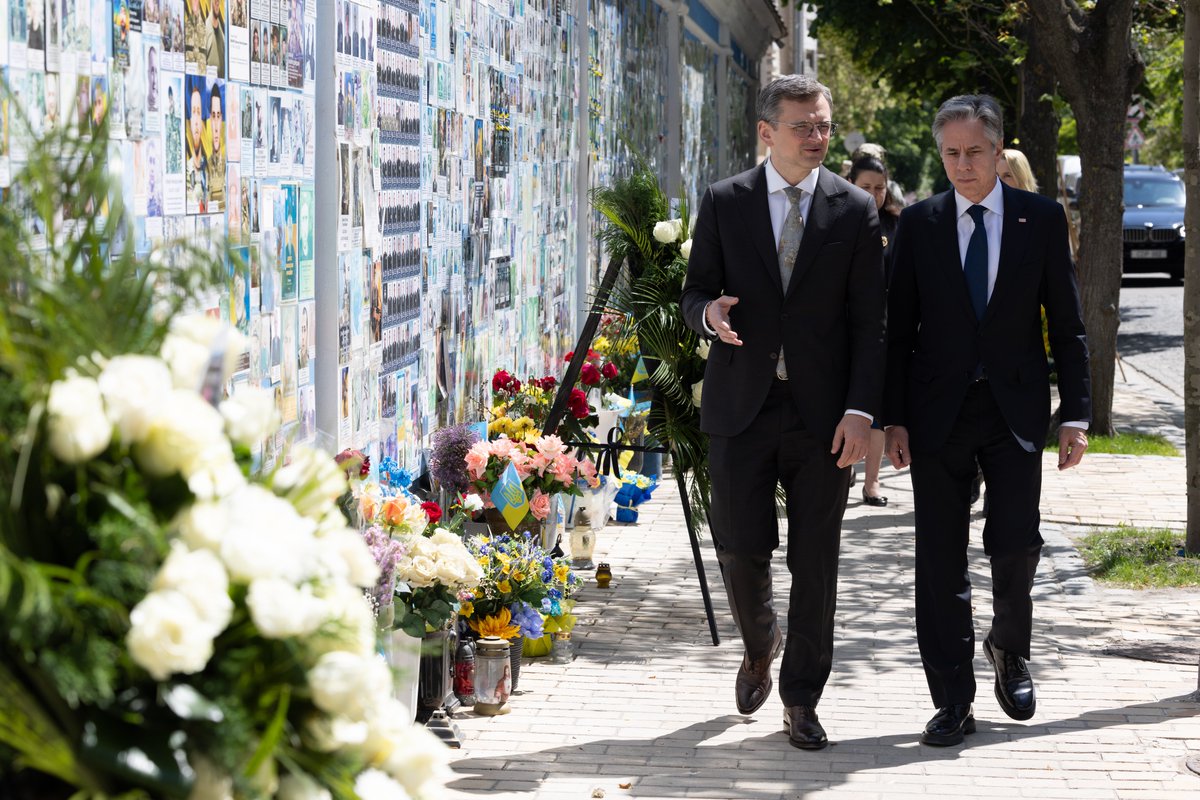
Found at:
<point>935,342</point>
<point>830,323</point>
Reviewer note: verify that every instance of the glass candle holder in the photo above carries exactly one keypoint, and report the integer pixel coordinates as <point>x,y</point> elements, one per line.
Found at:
<point>603,575</point>
<point>493,676</point>
<point>560,650</point>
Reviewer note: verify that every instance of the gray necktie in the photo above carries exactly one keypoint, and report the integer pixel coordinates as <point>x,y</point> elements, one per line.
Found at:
<point>789,245</point>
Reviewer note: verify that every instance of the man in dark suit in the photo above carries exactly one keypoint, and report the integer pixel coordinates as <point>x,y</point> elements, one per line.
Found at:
<point>968,380</point>
<point>786,270</point>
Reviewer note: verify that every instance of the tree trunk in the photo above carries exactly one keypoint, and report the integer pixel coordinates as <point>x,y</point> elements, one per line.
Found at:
<point>1038,122</point>
<point>1191,285</point>
<point>1097,67</point>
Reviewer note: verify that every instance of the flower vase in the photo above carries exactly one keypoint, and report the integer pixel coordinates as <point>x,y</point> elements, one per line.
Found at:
<point>550,525</point>
<point>404,657</point>
<point>516,645</point>
<point>500,527</point>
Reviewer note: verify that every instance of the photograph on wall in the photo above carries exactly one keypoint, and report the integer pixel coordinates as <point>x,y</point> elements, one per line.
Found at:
<point>238,264</point>
<point>204,36</point>
<point>214,143</point>
<point>196,167</point>
<point>174,186</point>
<point>239,40</point>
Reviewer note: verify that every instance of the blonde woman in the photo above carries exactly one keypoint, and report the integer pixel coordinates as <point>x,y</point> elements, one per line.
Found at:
<point>1013,168</point>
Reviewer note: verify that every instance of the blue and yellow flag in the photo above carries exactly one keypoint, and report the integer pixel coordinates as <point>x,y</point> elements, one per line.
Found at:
<point>509,497</point>
<point>639,372</point>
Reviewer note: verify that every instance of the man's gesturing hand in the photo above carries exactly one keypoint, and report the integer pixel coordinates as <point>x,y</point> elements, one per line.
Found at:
<point>1072,444</point>
<point>897,446</point>
<point>851,435</point>
<point>717,314</point>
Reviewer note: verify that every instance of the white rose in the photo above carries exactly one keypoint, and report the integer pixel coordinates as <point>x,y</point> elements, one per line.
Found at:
<point>703,348</point>
<point>450,571</point>
<point>202,524</point>
<point>266,538</point>
<point>297,786</point>
<point>352,627</point>
<point>686,249</point>
<point>167,635</point>
<point>444,538</point>
<point>697,391</point>
<point>344,554</point>
<point>281,610</point>
<point>421,546</point>
<point>134,388</point>
<point>375,785</point>
<point>325,734</point>
<point>250,415</point>
<point>211,783</point>
<point>473,503</point>
<point>417,759</point>
<point>181,430</point>
<point>79,428</point>
<point>200,577</point>
<point>349,684</point>
<point>421,571</point>
<point>668,230</point>
<point>214,472</point>
<point>191,344</point>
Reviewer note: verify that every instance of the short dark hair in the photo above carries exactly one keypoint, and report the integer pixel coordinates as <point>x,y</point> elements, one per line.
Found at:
<point>866,164</point>
<point>789,87</point>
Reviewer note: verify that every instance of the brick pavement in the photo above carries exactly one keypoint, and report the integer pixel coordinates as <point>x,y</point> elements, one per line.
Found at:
<point>646,709</point>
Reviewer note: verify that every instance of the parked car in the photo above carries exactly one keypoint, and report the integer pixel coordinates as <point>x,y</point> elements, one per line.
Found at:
<point>1154,232</point>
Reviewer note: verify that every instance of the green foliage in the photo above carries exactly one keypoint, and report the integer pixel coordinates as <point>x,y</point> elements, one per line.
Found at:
<point>1140,558</point>
<point>1126,444</point>
<point>650,298</point>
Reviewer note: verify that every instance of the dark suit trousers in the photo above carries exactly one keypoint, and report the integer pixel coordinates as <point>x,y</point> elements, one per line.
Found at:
<point>942,489</point>
<point>745,469</point>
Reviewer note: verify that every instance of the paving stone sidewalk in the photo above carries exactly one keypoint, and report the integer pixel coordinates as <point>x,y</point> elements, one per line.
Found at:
<point>646,709</point>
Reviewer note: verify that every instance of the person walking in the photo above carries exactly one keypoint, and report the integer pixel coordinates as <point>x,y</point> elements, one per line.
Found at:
<point>786,272</point>
<point>967,381</point>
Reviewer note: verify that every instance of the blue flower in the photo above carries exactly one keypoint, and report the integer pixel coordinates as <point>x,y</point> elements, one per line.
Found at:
<point>548,562</point>
<point>547,576</point>
<point>554,594</point>
<point>547,606</point>
<point>527,619</point>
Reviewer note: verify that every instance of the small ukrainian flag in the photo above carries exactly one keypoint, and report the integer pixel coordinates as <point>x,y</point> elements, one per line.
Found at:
<point>509,497</point>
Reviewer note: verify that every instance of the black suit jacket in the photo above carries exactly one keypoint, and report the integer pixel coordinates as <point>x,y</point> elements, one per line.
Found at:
<point>830,322</point>
<point>935,342</point>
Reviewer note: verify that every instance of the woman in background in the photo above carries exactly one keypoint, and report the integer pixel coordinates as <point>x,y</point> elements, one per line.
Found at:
<point>868,172</point>
<point>1013,168</point>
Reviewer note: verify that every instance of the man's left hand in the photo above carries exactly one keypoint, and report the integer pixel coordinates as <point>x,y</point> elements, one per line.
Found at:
<point>851,436</point>
<point>1072,444</point>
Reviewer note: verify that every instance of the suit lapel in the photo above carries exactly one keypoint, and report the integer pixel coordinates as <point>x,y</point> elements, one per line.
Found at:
<point>756,214</point>
<point>944,220</point>
<point>827,205</point>
<point>1013,240</point>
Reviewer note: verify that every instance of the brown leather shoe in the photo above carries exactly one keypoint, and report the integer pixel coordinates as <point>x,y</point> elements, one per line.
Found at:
<point>804,731</point>
<point>754,683</point>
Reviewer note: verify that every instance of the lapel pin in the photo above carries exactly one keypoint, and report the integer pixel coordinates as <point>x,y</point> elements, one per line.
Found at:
<point>1020,219</point>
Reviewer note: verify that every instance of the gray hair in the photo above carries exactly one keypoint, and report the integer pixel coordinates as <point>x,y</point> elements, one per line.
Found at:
<point>789,87</point>
<point>982,107</point>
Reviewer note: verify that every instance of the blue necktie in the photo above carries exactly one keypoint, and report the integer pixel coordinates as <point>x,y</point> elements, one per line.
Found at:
<point>975,265</point>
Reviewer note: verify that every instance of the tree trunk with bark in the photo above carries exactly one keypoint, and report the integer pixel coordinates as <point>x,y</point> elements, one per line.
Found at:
<point>1191,282</point>
<point>1097,67</point>
<point>1037,121</point>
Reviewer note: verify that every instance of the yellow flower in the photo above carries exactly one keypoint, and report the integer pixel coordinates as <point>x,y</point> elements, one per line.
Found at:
<point>601,344</point>
<point>466,608</point>
<point>500,625</point>
<point>504,587</point>
<point>560,572</point>
<point>518,576</point>
<point>483,561</point>
<point>534,391</point>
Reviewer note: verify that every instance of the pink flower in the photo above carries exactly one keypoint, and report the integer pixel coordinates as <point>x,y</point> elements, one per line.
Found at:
<point>477,459</point>
<point>538,463</point>
<point>550,446</point>
<point>539,506</point>
<point>523,463</point>
<point>502,448</point>
<point>564,469</point>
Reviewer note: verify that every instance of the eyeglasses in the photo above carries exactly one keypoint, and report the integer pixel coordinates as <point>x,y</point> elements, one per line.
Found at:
<point>805,129</point>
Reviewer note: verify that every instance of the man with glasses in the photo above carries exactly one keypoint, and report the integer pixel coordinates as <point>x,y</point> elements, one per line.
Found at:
<point>967,381</point>
<point>786,272</point>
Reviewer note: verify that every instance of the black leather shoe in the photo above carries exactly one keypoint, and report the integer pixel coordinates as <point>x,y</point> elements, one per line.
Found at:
<point>877,500</point>
<point>949,725</point>
<point>1014,684</point>
<point>803,729</point>
<point>754,683</point>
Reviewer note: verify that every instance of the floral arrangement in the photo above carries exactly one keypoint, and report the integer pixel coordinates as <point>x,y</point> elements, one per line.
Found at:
<point>176,626</point>
<point>634,490</point>
<point>519,410</point>
<point>545,467</point>
<point>617,344</point>
<point>642,232</point>
<point>521,582</point>
<point>450,446</point>
<point>423,566</point>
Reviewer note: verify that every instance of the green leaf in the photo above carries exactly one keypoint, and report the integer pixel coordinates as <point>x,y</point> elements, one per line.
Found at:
<point>145,755</point>
<point>271,736</point>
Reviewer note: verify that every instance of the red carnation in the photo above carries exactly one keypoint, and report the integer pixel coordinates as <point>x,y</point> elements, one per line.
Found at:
<point>578,404</point>
<point>548,383</point>
<point>432,510</point>
<point>365,469</point>
<point>589,375</point>
<point>609,370</point>
<point>567,358</point>
<point>501,380</point>
<point>514,386</point>
<point>592,355</point>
